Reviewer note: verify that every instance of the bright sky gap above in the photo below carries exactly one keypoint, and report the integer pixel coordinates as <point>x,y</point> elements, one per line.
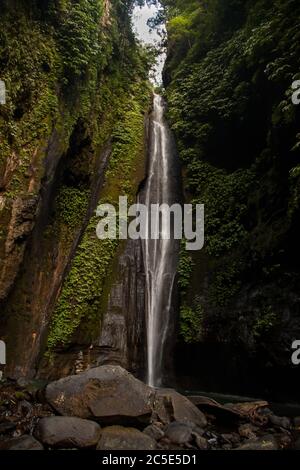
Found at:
<point>142,30</point>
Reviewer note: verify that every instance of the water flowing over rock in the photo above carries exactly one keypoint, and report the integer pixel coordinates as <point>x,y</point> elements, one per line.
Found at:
<point>160,255</point>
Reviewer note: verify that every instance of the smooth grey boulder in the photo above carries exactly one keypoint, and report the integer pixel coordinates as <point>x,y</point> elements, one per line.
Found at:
<point>68,432</point>
<point>120,438</point>
<point>179,433</point>
<point>171,406</point>
<point>108,394</point>
<point>21,443</point>
<point>281,422</point>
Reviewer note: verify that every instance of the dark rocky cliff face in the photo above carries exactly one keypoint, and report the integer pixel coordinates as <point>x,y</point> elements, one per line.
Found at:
<point>72,135</point>
<point>119,335</point>
<point>123,335</point>
<point>229,76</point>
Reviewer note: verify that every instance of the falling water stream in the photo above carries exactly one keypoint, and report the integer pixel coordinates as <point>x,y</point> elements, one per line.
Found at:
<point>160,256</point>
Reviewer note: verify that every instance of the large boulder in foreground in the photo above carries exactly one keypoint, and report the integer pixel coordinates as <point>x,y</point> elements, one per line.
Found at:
<point>108,394</point>
<point>171,406</point>
<point>120,438</point>
<point>68,432</point>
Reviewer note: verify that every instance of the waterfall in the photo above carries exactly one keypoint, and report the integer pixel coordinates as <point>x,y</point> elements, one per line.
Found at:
<point>160,256</point>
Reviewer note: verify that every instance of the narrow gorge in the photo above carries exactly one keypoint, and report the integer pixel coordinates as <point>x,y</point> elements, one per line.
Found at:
<point>56,288</point>
<point>52,315</point>
<point>162,102</point>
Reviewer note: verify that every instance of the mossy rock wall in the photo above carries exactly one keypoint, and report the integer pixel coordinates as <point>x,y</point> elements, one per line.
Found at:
<point>229,76</point>
<point>71,137</point>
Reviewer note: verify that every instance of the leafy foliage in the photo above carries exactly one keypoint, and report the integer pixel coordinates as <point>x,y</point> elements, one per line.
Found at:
<point>229,73</point>
<point>83,292</point>
<point>78,34</point>
<point>71,205</point>
<point>69,65</point>
<point>185,268</point>
<point>191,322</point>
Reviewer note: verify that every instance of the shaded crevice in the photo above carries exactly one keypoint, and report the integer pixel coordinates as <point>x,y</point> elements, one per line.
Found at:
<point>47,262</point>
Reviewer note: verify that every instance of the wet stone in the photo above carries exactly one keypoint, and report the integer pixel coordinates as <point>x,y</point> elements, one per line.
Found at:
<point>121,438</point>
<point>154,432</point>
<point>179,433</point>
<point>21,443</point>
<point>68,432</point>
<point>263,443</point>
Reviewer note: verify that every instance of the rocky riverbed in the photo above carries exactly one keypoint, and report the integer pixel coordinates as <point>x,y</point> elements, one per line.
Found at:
<point>106,408</point>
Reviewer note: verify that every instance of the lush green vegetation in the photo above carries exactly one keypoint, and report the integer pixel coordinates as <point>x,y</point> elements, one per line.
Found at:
<point>77,83</point>
<point>191,322</point>
<point>73,69</point>
<point>229,72</point>
<point>83,294</point>
<point>74,48</point>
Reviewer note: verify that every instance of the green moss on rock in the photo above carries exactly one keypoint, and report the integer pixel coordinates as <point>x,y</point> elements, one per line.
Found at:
<point>229,76</point>
<point>82,294</point>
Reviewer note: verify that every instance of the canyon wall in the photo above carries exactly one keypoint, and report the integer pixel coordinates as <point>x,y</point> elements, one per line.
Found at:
<point>73,134</point>
<point>229,76</point>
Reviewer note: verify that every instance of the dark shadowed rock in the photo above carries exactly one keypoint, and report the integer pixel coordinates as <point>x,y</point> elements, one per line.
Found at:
<point>297,423</point>
<point>154,432</point>
<point>67,432</point>
<point>201,442</point>
<point>179,433</point>
<point>7,427</point>
<point>171,406</point>
<point>285,440</point>
<point>248,431</point>
<point>253,411</point>
<point>281,422</point>
<point>108,394</point>
<point>121,340</point>
<point>263,443</point>
<point>119,438</point>
<point>211,406</point>
<point>231,438</point>
<point>20,225</point>
<point>21,443</point>
<point>297,444</point>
